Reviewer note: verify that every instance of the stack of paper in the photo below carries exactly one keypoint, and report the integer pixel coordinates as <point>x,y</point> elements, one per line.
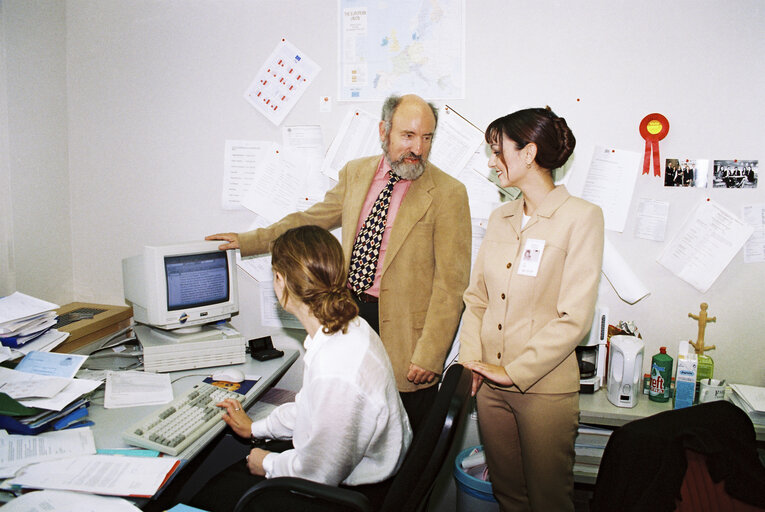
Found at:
<point>66,501</point>
<point>589,446</point>
<point>133,388</point>
<point>751,399</point>
<point>24,318</point>
<point>68,461</point>
<point>31,402</point>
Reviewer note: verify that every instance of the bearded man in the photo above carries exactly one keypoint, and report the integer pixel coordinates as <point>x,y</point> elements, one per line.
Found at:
<point>406,236</point>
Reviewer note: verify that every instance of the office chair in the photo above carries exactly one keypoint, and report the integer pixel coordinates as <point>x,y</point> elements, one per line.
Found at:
<point>701,458</point>
<point>409,489</point>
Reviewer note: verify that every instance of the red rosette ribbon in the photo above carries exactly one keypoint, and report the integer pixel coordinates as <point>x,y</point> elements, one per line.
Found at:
<point>653,128</point>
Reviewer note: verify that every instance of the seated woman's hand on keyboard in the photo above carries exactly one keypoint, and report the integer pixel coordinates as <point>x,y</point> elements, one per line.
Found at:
<point>236,418</point>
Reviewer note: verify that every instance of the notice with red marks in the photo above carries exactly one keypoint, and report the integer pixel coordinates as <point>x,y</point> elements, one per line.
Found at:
<point>281,81</point>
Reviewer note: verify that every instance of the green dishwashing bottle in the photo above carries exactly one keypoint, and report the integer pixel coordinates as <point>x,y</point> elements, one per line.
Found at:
<point>661,376</point>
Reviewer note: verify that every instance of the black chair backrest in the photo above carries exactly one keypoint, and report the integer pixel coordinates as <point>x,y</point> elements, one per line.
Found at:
<point>412,485</point>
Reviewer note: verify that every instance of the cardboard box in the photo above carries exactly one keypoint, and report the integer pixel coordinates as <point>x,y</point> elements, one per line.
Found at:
<point>685,377</point>
<point>87,323</point>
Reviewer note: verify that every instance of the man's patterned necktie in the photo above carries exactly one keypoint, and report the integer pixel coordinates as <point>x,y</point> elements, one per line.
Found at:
<point>366,248</point>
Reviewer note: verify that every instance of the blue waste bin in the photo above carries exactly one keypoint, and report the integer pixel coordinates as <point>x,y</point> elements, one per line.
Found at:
<point>473,494</point>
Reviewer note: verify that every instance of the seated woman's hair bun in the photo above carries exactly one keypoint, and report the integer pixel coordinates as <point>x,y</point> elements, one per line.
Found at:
<point>311,261</point>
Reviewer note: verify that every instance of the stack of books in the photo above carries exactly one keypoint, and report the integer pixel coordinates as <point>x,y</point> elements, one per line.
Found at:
<point>24,318</point>
<point>589,446</point>
<point>751,399</point>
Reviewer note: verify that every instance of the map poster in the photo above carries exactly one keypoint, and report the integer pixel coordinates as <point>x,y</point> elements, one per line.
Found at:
<point>401,46</point>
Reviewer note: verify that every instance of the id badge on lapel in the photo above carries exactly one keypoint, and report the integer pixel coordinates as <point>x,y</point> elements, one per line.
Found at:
<point>530,257</point>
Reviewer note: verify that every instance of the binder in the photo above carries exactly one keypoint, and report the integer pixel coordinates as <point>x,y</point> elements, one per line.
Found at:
<point>19,419</point>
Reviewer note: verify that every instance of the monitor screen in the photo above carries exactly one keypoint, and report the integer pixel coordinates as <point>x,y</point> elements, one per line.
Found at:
<point>195,280</point>
<point>181,285</point>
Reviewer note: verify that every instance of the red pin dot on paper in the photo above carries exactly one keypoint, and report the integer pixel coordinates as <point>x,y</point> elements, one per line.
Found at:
<point>577,99</point>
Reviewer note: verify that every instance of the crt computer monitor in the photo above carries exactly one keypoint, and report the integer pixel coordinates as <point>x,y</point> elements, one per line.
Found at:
<point>181,286</point>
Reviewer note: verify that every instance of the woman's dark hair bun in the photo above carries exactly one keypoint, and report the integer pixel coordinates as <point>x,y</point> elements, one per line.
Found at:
<point>551,134</point>
<point>567,141</point>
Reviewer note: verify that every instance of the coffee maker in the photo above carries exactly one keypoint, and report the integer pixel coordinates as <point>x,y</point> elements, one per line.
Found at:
<point>591,354</point>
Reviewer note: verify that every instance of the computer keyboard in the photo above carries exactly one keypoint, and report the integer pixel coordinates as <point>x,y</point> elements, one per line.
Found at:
<point>174,427</point>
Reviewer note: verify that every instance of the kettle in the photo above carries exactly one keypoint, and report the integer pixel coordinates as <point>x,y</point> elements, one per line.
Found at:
<point>625,370</point>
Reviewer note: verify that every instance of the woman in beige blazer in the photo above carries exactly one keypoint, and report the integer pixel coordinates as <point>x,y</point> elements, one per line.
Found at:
<point>530,302</point>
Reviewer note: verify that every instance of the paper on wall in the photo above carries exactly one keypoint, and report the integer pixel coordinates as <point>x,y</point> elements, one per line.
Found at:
<point>281,81</point>
<point>482,194</point>
<point>258,267</point>
<point>358,136</point>
<point>754,216</point>
<point>280,178</point>
<point>306,141</point>
<point>610,184</point>
<point>271,313</point>
<point>241,159</point>
<point>706,243</point>
<point>455,142</point>
<point>651,221</point>
<point>625,282</point>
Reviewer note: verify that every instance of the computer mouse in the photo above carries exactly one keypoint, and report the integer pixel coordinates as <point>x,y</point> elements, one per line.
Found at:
<point>228,375</point>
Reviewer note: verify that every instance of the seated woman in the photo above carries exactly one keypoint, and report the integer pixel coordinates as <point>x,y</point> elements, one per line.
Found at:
<point>347,423</point>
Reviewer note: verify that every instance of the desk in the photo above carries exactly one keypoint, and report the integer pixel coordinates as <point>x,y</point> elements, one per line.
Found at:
<point>595,409</point>
<point>109,423</point>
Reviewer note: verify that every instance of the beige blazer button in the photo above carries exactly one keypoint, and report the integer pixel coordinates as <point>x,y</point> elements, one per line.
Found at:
<point>499,355</point>
<point>509,264</point>
<point>503,296</point>
<point>499,327</point>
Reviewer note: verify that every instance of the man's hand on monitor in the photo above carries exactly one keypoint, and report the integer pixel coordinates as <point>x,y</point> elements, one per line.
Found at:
<point>231,238</point>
